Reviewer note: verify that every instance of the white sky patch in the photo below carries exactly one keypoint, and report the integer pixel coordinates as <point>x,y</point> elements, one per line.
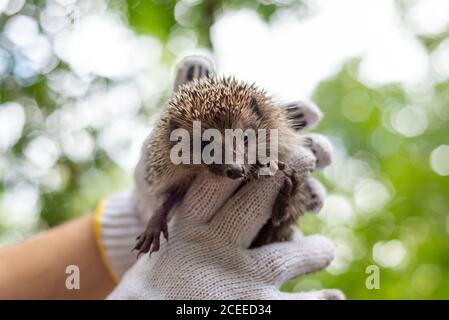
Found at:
<point>65,120</point>
<point>20,205</point>
<point>32,50</point>
<point>343,257</point>
<point>439,160</point>
<point>42,152</point>
<point>337,210</point>
<point>371,195</point>
<point>440,61</point>
<point>51,181</point>
<point>428,17</point>
<point>96,110</point>
<point>290,57</point>
<point>3,5</point>
<point>119,100</point>
<point>12,120</point>
<point>410,121</point>
<point>397,58</point>
<point>69,84</point>
<point>54,17</point>
<point>78,145</point>
<point>103,45</point>
<point>389,254</point>
<point>21,30</point>
<point>39,52</point>
<point>344,171</point>
<point>122,141</point>
<point>13,6</point>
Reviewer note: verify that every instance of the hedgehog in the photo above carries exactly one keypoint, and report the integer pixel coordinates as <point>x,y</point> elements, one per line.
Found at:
<point>225,103</point>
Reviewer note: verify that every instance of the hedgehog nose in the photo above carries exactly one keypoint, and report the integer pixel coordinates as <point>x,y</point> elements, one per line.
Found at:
<point>234,172</point>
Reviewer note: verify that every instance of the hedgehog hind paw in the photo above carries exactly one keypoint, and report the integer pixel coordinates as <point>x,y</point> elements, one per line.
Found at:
<point>149,240</point>
<point>193,67</point>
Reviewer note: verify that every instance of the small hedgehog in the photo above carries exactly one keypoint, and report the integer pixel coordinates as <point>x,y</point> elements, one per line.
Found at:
<point>225,103</point>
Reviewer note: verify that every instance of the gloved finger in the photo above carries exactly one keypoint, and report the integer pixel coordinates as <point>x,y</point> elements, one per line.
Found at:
<point>206,195</point>
<point>313,195</point>
<point>293,258</point>
<point>321,148</point>
<point>302,162</point>
<point>245,213</point>
<point>191,68</point>
<point>325,294</point>
<point>303,115</point>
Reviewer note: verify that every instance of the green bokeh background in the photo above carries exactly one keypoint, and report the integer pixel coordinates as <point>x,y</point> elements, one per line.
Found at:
<point>417,213</point>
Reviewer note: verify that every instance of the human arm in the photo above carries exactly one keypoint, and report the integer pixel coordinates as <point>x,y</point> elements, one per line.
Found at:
<point>36,268</point>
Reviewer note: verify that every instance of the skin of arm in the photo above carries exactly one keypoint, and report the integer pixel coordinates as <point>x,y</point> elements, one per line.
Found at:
<point>36,267</point>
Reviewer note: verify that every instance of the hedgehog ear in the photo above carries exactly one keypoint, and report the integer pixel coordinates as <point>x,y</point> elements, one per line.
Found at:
<point>191,68</point>
<point>255,107</point>
<point>173,124</point>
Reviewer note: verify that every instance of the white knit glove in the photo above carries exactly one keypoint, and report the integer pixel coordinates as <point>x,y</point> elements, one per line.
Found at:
<point>118,221</point>
<point>207,256</point>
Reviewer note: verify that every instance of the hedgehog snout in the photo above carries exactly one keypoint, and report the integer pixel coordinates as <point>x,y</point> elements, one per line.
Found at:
<point>234,171</point>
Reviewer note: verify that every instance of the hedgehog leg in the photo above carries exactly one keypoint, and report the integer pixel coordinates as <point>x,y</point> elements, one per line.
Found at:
<point>191,68</point>
<point>149,239</point>
<point>288,189</point>
<point>278,227</point>
<point>302,115</point>
<point>270,234</point>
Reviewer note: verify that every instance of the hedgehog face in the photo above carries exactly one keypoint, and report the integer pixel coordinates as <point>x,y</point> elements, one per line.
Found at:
<point>224,119</point>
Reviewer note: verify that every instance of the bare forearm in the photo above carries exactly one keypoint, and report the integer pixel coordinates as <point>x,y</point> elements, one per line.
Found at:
<point>36,268</point>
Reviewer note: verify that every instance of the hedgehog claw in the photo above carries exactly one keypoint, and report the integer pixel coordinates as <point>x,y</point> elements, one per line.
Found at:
<point>191,68</point>
<point>281,165</point>
<point>149,240</point>
<point>302,115</point>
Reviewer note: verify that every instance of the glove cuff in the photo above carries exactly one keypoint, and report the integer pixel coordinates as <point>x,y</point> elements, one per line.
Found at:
<point>116,226</point>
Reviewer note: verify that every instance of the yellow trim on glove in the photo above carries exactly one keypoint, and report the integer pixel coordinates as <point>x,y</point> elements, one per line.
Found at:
<point>101,249</point>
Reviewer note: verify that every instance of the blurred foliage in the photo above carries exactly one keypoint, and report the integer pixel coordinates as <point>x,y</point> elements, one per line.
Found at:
<point>421,198</point>
<point>158,17</point>
<point>417,213</point>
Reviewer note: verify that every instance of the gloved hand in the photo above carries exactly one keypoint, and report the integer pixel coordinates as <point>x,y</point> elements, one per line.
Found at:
<point>119,221</point>
<point>207,256</point>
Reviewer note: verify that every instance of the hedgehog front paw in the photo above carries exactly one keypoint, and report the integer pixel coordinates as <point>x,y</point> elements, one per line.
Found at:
<point>302,115</point>
<point>149,240</point>
<point>280,213</point>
